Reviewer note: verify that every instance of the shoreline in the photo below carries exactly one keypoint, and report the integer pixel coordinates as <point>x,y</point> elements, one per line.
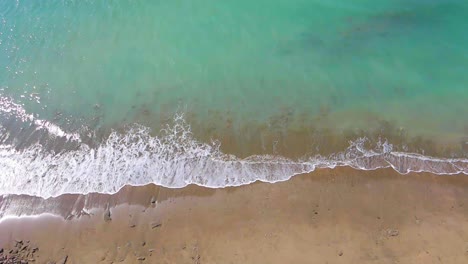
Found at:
<point>175,165</point>
<point>59,199</point>
<point>337,215</point>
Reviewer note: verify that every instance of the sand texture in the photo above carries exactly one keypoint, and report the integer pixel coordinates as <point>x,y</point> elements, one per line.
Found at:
<point>329,216</point>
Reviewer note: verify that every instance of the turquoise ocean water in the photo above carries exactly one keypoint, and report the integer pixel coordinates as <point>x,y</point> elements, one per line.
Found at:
<point>242,90</point>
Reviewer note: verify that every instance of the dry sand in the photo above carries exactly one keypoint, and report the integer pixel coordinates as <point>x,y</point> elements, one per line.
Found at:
<point>329,216</point>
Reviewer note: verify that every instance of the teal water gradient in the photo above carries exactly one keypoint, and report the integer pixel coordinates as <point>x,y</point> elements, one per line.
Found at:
<point>105,63</point>
<point>268,89</point>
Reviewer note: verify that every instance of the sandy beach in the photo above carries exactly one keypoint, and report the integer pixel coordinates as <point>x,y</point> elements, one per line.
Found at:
<point>329,216</point>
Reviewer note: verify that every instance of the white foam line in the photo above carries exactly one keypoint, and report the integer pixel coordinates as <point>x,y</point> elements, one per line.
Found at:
<point>33,216</point>
<point>7,106</point>
<point>175,159</point>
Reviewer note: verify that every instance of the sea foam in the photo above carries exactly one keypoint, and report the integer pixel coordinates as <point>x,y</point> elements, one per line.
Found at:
<point>176,159</point>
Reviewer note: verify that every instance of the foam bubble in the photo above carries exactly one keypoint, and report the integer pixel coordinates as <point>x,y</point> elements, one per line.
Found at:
<point>176,159</point>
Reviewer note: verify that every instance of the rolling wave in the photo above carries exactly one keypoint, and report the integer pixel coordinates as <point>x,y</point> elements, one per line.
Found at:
<point>176,159</point>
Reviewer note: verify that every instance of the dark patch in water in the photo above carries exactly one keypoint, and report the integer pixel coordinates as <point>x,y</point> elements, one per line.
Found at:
<point>361,35</point>
<point>312,40</point>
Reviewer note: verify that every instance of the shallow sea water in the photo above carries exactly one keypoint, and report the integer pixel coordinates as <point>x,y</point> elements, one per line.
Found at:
<point>295,78</point>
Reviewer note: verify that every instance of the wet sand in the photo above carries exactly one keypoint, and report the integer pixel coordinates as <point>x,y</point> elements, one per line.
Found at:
<point>329,216</point>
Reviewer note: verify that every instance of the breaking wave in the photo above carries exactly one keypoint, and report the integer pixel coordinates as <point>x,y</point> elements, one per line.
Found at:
<point>10,109</point>
<point>176,159</point>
